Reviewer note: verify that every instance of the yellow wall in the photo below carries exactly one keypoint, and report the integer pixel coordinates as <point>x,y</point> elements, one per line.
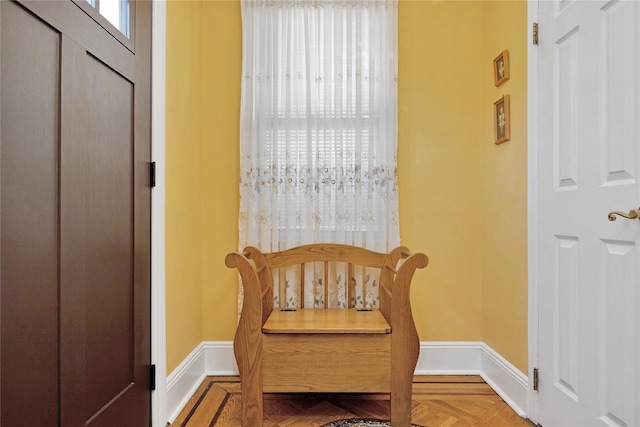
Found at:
<point>222,56</point>
<point>453,181</point>
<point>439,99</point>
<point>184,223</point>
<point>504,187</point>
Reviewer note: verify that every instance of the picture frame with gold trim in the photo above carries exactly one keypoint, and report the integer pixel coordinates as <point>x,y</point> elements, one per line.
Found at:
<point>501,68</point>
<point>502,119</point>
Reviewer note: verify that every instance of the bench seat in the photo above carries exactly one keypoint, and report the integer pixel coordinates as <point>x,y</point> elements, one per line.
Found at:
<point>329,321</point>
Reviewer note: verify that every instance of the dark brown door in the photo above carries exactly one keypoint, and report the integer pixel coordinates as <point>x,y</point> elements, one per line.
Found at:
<point>75,215</point>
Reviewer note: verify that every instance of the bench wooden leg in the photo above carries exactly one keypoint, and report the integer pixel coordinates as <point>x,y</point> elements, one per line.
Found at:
<point>404,357</point>
<point>401,402</point>
<point>248,354</point>
<point>251,398</point>
<point>400,409</point>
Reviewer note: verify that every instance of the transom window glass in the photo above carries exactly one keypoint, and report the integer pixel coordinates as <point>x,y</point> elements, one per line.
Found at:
<point>116,12</point>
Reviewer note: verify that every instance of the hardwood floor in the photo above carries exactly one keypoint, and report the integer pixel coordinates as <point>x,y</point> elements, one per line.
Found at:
<point>438,401</point>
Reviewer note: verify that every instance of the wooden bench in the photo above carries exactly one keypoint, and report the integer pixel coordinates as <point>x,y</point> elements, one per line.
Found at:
<point>353,349</point>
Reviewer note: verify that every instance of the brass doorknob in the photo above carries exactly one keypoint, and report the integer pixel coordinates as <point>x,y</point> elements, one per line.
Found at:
<point>633,214</point>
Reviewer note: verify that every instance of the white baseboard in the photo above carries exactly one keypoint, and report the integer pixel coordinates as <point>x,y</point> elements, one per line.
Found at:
<point>436,358</point>
<point>183,382</point>
<point>219,358</point>
<point>507,380</point>
<point>449,358</point>
<point>476,358</point>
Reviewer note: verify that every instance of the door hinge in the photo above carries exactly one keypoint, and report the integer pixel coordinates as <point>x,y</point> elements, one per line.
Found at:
<point>535,379</point>
<point>152,377</point>
<point>152,174</point>
<point>535,33</point>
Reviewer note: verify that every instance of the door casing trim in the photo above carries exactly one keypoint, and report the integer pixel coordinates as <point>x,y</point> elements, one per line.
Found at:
<point>158,135</point>
<point>532,205</point>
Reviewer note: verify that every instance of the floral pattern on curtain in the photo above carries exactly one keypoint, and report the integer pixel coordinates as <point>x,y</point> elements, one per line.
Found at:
<point>318,134</point>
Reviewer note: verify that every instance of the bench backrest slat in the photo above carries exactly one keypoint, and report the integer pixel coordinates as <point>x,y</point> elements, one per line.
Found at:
<point>302,268</point>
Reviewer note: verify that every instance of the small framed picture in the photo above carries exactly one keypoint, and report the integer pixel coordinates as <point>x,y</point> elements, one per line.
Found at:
<point>501,68</point>
<point>502,119</point>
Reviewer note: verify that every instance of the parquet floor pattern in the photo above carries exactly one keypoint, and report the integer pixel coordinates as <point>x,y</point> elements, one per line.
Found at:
<point>438,401</point>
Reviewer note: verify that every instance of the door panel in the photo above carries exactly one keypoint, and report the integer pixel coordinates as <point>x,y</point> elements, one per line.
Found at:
<point>619,334</point>
<point>29,235</point>
<point>94,217</point>
<point>567,250</point>
<point>619,22</point>
<point>109,256</point>
<point>589,277</point>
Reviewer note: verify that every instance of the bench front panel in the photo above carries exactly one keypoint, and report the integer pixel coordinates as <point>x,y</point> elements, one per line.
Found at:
<point>356,363</point>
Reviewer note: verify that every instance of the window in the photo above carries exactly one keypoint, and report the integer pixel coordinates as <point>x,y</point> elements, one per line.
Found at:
<point>116,12</point>
<point>319,123</point>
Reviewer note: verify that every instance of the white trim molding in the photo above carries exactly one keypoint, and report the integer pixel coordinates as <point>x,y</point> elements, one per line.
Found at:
<point>476,358</point>
<point>449,358</point>
<point>532,202</point>
<point>436,358</point>
<point>505,379</point>
<point>219,358</point>
<point>183,382</point>
<point>158,312</point>
<point>208,358</point>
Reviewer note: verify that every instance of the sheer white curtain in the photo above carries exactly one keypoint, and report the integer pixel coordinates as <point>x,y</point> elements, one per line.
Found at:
<point>318,135</point>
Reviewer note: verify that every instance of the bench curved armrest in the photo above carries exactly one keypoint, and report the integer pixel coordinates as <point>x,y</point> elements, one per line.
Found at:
<point>400,293</point>
<point>250,323</point>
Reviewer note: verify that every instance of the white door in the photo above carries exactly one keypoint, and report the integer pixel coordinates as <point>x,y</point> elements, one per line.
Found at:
<point>589,165</point>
